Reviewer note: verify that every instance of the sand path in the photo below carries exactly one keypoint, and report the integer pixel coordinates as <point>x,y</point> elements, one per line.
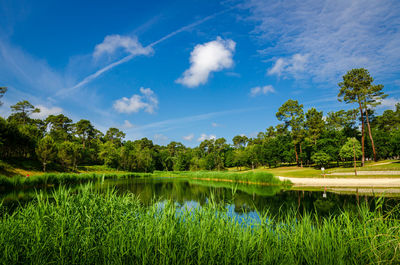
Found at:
<point>344,182</point>
<point>387,173</point>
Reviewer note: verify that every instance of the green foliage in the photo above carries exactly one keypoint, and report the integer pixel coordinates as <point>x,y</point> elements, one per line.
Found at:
<point>321,159</point>
<point>348,149</point>
<point>3,90</point>
<point>92,228</point>
<point>46,151</point>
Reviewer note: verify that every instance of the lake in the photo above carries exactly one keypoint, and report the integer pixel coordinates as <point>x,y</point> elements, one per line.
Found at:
<point>242,199</point>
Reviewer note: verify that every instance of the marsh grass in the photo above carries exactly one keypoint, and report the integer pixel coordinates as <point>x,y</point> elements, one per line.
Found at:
<point>247,177</point>
<point>86,227</point>
<point>61,179</point>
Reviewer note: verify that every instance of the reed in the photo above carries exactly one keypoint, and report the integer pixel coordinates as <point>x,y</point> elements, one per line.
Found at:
<point>62,179</point>
<point>247,177</point>
<point>85,227</point>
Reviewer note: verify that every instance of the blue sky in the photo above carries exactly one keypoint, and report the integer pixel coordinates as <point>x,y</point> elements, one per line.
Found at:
<point>190,70</point>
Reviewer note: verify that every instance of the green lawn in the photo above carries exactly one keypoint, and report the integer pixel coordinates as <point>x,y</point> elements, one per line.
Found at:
<point>312,172</point>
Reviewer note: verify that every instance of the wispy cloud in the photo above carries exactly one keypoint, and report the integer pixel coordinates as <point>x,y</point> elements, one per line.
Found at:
<point>147,101</point>
<point>261,90</point>
<point>46,111</point>
<point>289,66</point>
<point>160,137</point>
<point>188,137</point>
<point>389,103</point>
<point>127,124</point>
<point>183,122</point>
<point>124,42</point>
<point>112,43</point>
<point>206,58</point>
<point>335,35</point>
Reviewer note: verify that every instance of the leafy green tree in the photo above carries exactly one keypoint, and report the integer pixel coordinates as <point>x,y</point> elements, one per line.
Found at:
<point>291,112</point>
<point>68,153</point>
<point>115,136</point>
<point>240,141</point>
<point>321,159</point>
<point>348,149</point>
<point>314,124</point>
<point>60,127</point>
<point>46,151</point>
<point>110,155</point>
<point>85,130</point>
<point>22,110</point>
<point>3,90</point>
<point>357,87</point>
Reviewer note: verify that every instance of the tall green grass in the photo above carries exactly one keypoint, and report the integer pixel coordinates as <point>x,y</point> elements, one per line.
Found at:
<point>61,179</point>
<point>86,227</point>
<point>250,177</point>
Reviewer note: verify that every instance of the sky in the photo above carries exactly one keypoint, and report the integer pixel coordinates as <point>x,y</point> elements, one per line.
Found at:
<point>192,70</point>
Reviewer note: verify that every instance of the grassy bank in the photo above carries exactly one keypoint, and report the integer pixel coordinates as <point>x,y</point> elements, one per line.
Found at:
<point>246,177</point>
<point>61,179</point>
<point>311,172</point>
<point>89,228</point>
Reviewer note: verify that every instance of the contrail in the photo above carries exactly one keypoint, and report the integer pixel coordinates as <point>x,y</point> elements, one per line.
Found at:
<point>131,56</point>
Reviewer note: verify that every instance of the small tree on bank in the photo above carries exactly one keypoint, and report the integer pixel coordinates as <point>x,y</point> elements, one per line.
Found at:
<point>351,150</point>
<point>46,151</point>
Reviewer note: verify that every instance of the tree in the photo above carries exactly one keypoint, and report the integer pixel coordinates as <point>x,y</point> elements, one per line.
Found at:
<point>85,130</point>
<point>68,153</point>
<point>321,159</point>
<point>115,136</point>
<point>3,90</point>
<point>314,124</point>
<point>293,116</point>
<point>60,127</point>
<point>347,150</point>
<point>46,151</point>
<point>240,141</point>
<point>357,87</point>
<point>23,109</point>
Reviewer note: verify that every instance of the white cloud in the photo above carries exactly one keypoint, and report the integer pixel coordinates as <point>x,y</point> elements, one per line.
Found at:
<point>336,36</point>
<point>261,90</point>
<point>214,124</point>
<point>45,112</point>
<point>112,43</point>
<point>204,136</point>
<point>389,103</point>
<point>188,137</point>
<point>206,58</point>
<point>147,101</point>
<point>127,124</point>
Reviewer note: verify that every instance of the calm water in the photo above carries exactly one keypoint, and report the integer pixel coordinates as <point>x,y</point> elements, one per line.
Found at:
<point>240,199</point>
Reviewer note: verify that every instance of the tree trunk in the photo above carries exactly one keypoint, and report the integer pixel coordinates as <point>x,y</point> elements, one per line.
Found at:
<point>362,135</point>
<point>297,156</point>
<point>301,157</point>
<point>355,163</point>
<point>44,166</point>
<point>370,134</point>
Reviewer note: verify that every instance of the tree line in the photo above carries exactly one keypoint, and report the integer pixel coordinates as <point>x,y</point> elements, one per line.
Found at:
<point>303,138</point>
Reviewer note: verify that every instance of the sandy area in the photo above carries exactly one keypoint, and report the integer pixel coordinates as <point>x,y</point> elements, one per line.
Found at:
<point>344,182</point>
<point>387,173</point>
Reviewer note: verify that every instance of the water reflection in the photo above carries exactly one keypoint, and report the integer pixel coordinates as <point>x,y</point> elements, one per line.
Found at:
<point>242,200</point>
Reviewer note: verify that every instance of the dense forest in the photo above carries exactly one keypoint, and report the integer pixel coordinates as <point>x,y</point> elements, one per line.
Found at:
<point>305,137</point>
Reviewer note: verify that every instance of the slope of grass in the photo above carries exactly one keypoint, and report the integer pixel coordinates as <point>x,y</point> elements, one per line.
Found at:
<point>92,228</point>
